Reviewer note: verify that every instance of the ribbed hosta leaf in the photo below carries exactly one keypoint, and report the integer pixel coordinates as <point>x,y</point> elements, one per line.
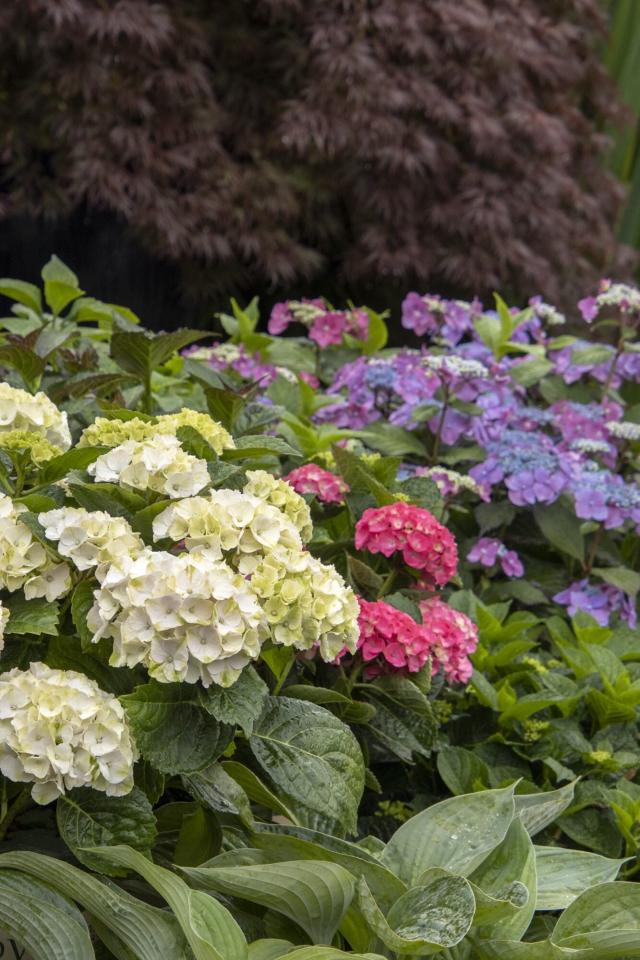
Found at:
<point>564,874</point>
<point>40,920</point>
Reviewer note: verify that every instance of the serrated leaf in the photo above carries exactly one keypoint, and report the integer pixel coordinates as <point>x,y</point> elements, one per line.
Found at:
<point>315,895</point>
<point>313,758</point>
<point>140,353</point>
<point>260,446</point>
<point>75,459</point>
<point>561,527</point>
<point>25,362</point>
<point>457,834</point>
<point>37,616</point>
<point>209,928</point>
<point>171,729</point>
<point>391,440</point>
<point>41,921</point>
<point>194,443</point>
<point>214,788</point>
<point>88,818</point>
<point>240,704</point>
<point>363,575</point>
<point>149,933</point>
<point>60,284</point>
<point>22,292</point>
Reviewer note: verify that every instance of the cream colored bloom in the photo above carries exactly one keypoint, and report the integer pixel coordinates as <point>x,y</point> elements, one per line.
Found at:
<point>185,618</point>
<point>23,560</point>
<point>281,495</point>
<point>38,447</point>
<point>4,617</point>
<point>59,730</point>
<point>112,433</point>
<point>230,524</point>
<point>307,603</point>
<point>20,410</point>
<point>160,465</point>
<point>89,538</point>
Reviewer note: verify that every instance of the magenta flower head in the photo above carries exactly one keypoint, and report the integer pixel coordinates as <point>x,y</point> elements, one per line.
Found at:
<point>391,638</point>
<point>311,478</point>
<point>425,544</point>
<point>451,636</point>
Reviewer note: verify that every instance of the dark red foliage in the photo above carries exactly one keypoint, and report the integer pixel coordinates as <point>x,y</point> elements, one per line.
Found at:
<point>452,145</point>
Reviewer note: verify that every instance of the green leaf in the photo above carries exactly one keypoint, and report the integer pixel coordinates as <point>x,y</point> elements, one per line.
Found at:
<point>490,516</point>
<point>259,446</point>
<point>512,862</point>
<point>424,920</point>
<point>269,949</point>
<point>239,705</point>
<point>88,818</point>
<point>75,459</point>
<point>194,443</point>
<point>313,758</point>
<point>256,790</point>
<point>171,729</point>
<point>315,895</point>
<point>530,372</point>
<point>209,928</point>
<point>461,770</point>
<point>564,874</point>
<point>377,336</point>
<point>457,834</point>
<point>149,933</point>
<point>22,292</point>
<point>605,918</point>
<point>37,616</point>
<point>362,574</point>
<point>214,788</point>
<point>538,810</point>
<point>60,285</point>
<point>139,353</point>
<point>561,527</point>
<point>41,921</point>
<point>392,441</point>
<point>25,362</point>
<point>149,780</point>
<point>199,836</point>
<point>423,491</point>
<point>621,577</point>
<point>404,720</point>
<point>590,356</point>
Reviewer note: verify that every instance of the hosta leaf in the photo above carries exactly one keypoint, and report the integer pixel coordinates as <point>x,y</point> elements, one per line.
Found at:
<point>269,949</point>
<point>214,788</point>
<point>313,758</point>
<point>538,810</point>
<point>564,874</point>
<point>457,834</point>
<point>511,863</point>
<point>239,705</point>
<point>41,921</point>
<point>315,895</point>
<point>149,933</point>
<point>209,928</point>
<point>423,920</point>
<point>31,616</point>
<point>171,729</point>
<point>329,953</point>
<point>87,818</point>
<point>605,918</point>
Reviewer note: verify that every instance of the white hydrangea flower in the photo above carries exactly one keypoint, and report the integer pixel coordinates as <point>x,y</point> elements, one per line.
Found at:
<point>90,538</point>
<point>23,560</point>
<point>59,730</point>
<point>104,432</point>
<point>446,479</point>
<point>307,603</point>
<point>549,314</point>
<point>586,445</point>
<point>185,618</point>
<point>281,495</point>
<point>624,429</point>
<point>456,366</point>
<point>20,410</point>
<point>4,617</point>
<point>230,524</point>
<point>621,295</point>
<point>159,464</point>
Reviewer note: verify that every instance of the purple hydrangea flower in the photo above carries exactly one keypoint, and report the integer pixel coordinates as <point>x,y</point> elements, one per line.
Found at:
<point>488,550</point>
<point>600,601</point>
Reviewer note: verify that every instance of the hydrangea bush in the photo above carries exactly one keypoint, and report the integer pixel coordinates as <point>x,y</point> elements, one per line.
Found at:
<point>260,597</point>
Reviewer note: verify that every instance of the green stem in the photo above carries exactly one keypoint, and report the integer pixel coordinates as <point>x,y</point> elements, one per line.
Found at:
<point>388,583</point>
<point>19,805</point>
<point>147,397</point>
<point>593,550</point>
<point>283,676</point>
<point>436,440</point>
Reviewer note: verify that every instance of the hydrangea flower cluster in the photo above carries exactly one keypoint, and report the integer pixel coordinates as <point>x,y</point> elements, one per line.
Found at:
<point>450,483</point>
<point>90,538</point>
<point>4,618</point>
<point>605,496</point>
<point>112,433</point>
<point>185,618</point>
<point>390,637</point>
<point>489,550</point>
<point>326,326</point>
<point>307,603</point>
<point>23,411</point>
<point>530,465</point>
<point>235,357</point>
<point>281,494</point>
<point>431,315</point>
<point>452,638</point>
<point>453,369</point>
<point>624,430</point>
<point>621,296</point>
<point>425,544</point>
<point>600,601</point>
<point>236,526</point>
<point>24,562</point>
<point>159,464</point>
<point>59,730</point>
<point>326,486</point>
<point>38,448</point>
<point>546,312</point>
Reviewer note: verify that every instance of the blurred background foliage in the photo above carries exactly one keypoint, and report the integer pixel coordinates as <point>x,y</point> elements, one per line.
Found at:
<point>177,154</point>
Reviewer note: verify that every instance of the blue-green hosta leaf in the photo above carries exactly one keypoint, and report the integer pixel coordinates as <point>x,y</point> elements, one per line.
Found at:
<point>45,925</point>
<point>269,949</point>
<point>329,953</point>
<point>457,834</point>
<point>564,874</point>
<point>511,863</point>
<point>423,920</point>
<point>241,704</point>
<point>313,758</point>
<point>538,810</point>
<point>315,895</point>
<point>171,729</point>
<point>209,928</point>
<point>149,933</point>
<point>88,818</point>
<point>605,918</point>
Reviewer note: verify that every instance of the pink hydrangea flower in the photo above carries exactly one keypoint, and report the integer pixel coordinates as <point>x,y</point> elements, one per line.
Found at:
<point>451,637</point>
<point>390,637</point>
<point>488,550</point>
<point>425,544</point>
<point>311,478</point>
